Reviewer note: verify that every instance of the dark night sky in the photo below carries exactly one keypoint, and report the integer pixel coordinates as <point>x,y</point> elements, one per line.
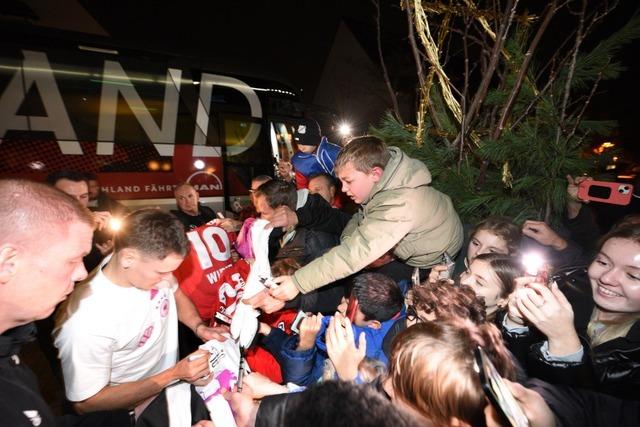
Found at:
<point>290,39</point>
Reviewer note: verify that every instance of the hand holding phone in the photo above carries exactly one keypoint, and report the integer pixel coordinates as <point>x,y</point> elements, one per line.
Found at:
<point>295,326</point>
<point>450,264</point>
<point>616,193</point>
<point>498,392</point>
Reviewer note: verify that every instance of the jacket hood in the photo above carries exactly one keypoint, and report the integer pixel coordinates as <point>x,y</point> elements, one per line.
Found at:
<point>401,172</point>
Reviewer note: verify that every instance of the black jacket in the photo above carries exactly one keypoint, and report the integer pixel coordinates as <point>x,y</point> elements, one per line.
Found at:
<point>20,401</point>
<point>586,408</point>
<point>205,214</point>
<point>612,367</point>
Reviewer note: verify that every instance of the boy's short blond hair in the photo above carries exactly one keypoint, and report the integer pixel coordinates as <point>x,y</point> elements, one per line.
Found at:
<point>365,153</point>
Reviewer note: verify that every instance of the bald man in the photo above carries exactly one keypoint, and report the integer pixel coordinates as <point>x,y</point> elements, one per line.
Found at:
<point>191,212</point>
<point>44,234</point>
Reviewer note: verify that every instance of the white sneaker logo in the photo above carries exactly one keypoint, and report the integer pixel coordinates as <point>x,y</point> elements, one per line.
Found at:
<point>34,417</point>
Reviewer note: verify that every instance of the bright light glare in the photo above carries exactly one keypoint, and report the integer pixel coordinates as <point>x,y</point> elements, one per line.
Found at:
<point>344,129</point>
<point>199,164</point>
<point>532,263</point>
<point>115,224</point>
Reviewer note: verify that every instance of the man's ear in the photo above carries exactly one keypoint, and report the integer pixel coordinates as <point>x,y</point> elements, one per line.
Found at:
<point>376,173</point>
<point>8,261</point>
<point>128,257</point>
<point>374,324</point>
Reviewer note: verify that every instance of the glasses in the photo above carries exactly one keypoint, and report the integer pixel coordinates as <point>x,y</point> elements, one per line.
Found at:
<point>412,314</point>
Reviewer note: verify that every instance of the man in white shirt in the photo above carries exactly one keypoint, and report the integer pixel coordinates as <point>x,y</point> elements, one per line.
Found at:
<point>117,333</point>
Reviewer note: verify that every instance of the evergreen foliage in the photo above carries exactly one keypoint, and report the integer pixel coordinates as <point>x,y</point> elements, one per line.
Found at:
<point>528,163</point>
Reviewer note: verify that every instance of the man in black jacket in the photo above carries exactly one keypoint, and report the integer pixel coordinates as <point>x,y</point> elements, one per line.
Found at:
<point>191,212</point>
<point>44,234</point>
<point>318,227</point>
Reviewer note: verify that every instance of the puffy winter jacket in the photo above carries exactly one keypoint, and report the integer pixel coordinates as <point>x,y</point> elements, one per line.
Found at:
<point>402,212</point>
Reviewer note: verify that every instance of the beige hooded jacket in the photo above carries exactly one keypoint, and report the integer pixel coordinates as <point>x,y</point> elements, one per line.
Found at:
<point>402,211</point>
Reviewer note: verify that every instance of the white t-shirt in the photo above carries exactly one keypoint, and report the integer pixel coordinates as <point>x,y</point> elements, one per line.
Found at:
<point>117,335</point>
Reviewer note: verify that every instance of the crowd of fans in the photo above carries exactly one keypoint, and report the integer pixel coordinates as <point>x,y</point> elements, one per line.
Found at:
<point>355,321</point>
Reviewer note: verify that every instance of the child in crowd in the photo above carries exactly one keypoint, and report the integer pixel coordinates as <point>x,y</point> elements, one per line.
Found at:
<point>398,209</point>
<point>315,153</point>
<point>375,303</point>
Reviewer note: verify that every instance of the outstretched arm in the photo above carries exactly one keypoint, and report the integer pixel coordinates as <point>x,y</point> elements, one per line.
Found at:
<point>129,395</point>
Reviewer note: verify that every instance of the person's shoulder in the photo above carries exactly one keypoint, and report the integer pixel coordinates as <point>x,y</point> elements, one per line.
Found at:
<point>207,210</point>
<point>179,214</point>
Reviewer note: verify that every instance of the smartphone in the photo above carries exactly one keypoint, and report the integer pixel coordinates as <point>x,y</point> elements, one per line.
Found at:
<point>295,325</point>
<point>535,265</point>
<point>352,308</point>
<point>450,264</point>
<point>616,193</point>
<point>268,282</point>
<point>497,391</point>
<point>415,277</point>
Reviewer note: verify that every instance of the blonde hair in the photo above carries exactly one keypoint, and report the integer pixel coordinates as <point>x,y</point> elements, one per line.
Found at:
<point>364,153</point>
<point>432,368</point>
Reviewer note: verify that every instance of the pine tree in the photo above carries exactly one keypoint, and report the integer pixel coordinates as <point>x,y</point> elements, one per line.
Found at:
<point>528,131</point>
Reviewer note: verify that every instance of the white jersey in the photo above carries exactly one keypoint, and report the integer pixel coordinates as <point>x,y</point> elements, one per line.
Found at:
<point>117,335</point>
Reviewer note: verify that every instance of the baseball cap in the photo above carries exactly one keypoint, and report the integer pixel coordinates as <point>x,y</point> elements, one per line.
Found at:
<point>307,132</point>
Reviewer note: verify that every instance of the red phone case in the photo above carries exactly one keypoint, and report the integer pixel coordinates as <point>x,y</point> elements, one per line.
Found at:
<point>621,192</point>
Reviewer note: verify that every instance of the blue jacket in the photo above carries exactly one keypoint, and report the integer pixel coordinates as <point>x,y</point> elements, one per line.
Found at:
<point>305,367</point>
<point>320,161</point>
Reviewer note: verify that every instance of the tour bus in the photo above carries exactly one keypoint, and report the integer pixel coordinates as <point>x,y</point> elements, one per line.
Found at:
<point>141,121</point>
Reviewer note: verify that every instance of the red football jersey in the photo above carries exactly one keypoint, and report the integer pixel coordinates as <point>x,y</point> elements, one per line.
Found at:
<point>208,275</point>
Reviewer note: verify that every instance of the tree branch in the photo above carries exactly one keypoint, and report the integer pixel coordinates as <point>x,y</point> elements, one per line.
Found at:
<point>481,94</point>
<point>551,10</point>
<point>493,62</point>
<point>385,74</point>
<point>572,69</point>
<point>584,107</point>
<point>465,89</point>
<point>414,46</point>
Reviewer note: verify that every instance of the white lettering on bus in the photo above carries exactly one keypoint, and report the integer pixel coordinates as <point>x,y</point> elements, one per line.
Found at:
<point>118,83</point>
<point>36,70</point>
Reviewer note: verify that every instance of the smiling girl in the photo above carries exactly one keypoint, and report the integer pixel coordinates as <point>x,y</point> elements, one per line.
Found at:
<point>591,328</point>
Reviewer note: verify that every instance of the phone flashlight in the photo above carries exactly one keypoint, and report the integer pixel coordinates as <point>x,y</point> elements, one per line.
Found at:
<point>534,265</point>
<point>115,224</point>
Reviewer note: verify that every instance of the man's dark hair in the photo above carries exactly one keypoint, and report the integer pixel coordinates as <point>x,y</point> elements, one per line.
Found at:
<point>153,232</point>
<point>379,296</point>
<point>330,179</point>
<point>278,193</point>
<point>74,176</point>
<point>337,403</point>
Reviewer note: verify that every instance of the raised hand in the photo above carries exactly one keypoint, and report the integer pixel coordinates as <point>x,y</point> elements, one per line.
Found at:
<point>342,348</point>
